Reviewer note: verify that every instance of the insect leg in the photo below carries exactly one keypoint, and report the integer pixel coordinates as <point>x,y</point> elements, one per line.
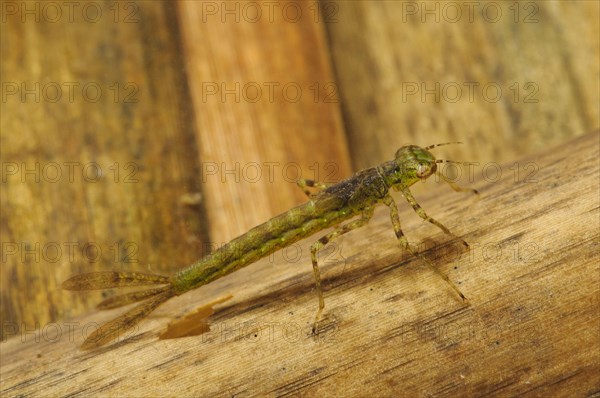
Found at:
<point>389,202</point>
<point>421,213</point>
<point>318,245</point>
<point>454,186</point>
<point>304,184</point>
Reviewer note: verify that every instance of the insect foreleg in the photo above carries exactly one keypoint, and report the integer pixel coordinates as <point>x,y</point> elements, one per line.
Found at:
<point>454,186</point>
<point>304,184</point>
<point>421,213</point>
<point>389,202</point>
<point>318,245</point>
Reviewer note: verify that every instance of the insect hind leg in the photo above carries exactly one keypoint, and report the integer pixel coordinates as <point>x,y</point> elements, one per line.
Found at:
<point>324,240</point>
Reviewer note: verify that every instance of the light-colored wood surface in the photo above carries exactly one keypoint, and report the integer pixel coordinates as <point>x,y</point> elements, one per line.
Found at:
<point>392,327</point>
<point>155,61</point>
<point>266,112</point>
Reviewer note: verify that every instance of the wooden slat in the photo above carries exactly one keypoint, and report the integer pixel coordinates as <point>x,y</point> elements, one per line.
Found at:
<point>262,91</point>
<point>137,131</point>
<point>145,122</point>
<point>406,70</point>
<point>392,326</point>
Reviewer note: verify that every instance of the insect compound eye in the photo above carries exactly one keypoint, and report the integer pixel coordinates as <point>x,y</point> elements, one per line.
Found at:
<point>423,170</point>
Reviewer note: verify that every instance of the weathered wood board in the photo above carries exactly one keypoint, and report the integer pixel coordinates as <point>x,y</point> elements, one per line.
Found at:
<point>393,327</point>
<point>116,154</point>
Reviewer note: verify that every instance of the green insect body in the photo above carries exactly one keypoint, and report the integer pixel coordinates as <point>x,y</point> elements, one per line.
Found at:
<point>355,197</point>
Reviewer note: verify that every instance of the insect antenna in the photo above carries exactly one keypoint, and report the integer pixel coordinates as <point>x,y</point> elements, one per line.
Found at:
<point>445,143</point>
<point>449,161</point>
<point>443,160</point>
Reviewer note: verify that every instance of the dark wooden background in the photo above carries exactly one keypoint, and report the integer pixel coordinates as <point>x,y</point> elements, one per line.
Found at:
<point>136,107</point>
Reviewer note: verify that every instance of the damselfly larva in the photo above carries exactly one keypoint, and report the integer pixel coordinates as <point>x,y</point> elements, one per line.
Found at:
<point>356,196</point>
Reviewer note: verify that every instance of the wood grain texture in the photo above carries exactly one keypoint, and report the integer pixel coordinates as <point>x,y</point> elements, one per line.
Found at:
<point>507,78</point>
<point>393,327</point>
<point>262,86</point>
<point>97,151</point>
<point>160,131</point>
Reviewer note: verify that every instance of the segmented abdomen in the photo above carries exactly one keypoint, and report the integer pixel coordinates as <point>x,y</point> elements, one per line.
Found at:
<point>260,241</point>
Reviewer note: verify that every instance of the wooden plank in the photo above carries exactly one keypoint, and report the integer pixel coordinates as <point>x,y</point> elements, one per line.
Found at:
<point>98,150</point>
<point>266,112</point>
<point>507,78</point>
<point>147,123</point>
<point>393,326</point>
